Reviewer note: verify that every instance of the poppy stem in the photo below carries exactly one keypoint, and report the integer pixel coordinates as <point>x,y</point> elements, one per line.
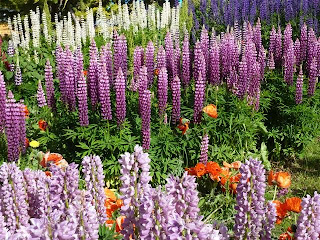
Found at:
<point>275,193</point>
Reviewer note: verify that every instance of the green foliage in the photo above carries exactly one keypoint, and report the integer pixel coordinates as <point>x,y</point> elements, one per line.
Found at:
<point>186,19</point>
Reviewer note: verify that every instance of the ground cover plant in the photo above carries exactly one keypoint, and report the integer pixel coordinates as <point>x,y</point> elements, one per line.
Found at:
<point>161,122</point>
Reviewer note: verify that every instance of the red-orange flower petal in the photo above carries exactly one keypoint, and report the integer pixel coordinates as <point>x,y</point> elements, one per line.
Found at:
<point>283,179</point>
<point>293,204</point>
<point>110,194</point>
<point>191,171</point>
<point>211,110</point>
<point>26,143</point>
<point>200,169</point>
<point>281,210</point>
<point>42,125</point>
<point>119,222</point>
<point>213,168</point>
<point>271,178</point>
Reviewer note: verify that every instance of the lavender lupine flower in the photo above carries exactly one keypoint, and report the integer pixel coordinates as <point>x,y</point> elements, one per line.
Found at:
<point>214,63</point>
<point>78,68</point>
<point>93,175</point>
<point>289,64</point>
<point>104,94</point>
<point>2,102</point>
<point>70,79</point>
<point>299,89</point>
<point>169,55</point>
<point>288,10</point>
<point>177,61</point>
<point>108,61</point>
<point>93,74</point>
<point>243,79</point>
<point>199,96</point>
<point>14,197</point>
<point>204,149</point>
<point>18,76</point>
<point>49,84</point>
<point>120,88</point>
<point>82,101</point>
<point>269,221</point>
<point>176,95</point>
<point>278,47</point>
<point>304,41</point>
<point>120,55</point>
<point>309,219</point>
<point>162,90</point>
<point>282,192</point>
<point>150,62</point>
<point>312,78</point>
<point>271,64</point>
<point>143,85</point>
<point>11,53</point>
<point>297,52</point>
<point>311,48</point>
<point>185,61</point>
<point>272,41</point>
<point>40,96</point>
<point>161,58</point>
<point>22,126</point>
<point>199,62</point>
<point>233,80</point>
<point>251,209</point>
<point>146,118</point>
<point>257,34</point>
<point>138,56</point>
<point>204,40</point>
<point>60,58</point>
<point>287,36</point>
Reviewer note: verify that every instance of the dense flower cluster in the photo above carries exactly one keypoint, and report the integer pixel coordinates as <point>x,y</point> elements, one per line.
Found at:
<point>41,98</point>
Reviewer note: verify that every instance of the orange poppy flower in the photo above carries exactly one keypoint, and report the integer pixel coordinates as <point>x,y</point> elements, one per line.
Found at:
<point>119,222</point>
<point>156,72</point>
<point>55,158</point>
<point>109,223</point>
<point>211,110</point>
<point>42,124</point>
<point>119,203</point>
<point>110,194</point>
<point>200,169</point>
<point>26,143</point>
<point>235,178</point>
<point>233,188</point>
<point>191,171</point>
<point>213,168</point>
<point>183,125</point>
<point>283,179</point>
<point>235,165</point>
<point>85,72</point>
<point>293,204</point>
<point>281,210</point>
<point>26,111</point>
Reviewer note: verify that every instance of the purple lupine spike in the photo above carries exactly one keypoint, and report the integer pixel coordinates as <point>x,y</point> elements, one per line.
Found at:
<point>318,56</point>
<point>2,102</point>
<point>137,64</point>
<point>251,209</point>
<point>94,177</point>
<point>253,11</point>
<point>40,96</point>
<point>10,50</point>
<point>262,61</point>
<point>82,101</point>
<point>108,61</point>
<point>257,35</point>
<point>204,149</point>
<point>269,221</point>
<point>176,95</point>
<point>204,40</point>
<point>150,62</point>
<point>199,66</point>
<point>146,118</point>
<point>93,74</point>
<point>232,80</point>
<point>297,52</point>
<point>287,38</point>
<point>278,47</point>
<point>120,55</point>
<point>49,84</point>
<point>18,76</point>
<point>311,48</point>
<point>162,90</point>
<point>214,62</point>
<point>177,61</point>
<point>299,90</point>
<point>104,94</point>
<point>22,126</point>
<point>309,220</point>
<point>289,64</point>
<point>70,79</point>
<point>77,68</point>
<point>243,79</point>
<point>161,58</point>
<point>60,58</point>
<point>11,128</point>
<point>185,61</point>
<point>304,41</point>
<point>288,10</point>
<point>271,64</point>
<point>120,88</point>
<point>169,55</point>
<point>312,78</point>
<point>199,95</point>
<point>143,84</point>
<point>272,41</point>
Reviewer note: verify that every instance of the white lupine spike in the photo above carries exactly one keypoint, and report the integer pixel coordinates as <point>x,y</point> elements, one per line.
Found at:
<point>35,27</point>
<point>59,32</point>
<point>45,28</point>
<point>27,31</point>
<point>126,20</point>
<point>21,31</point>
<point>158,19</point>
<point>36,58</point>
<point>9,23</point>
<point>65,40</point>
<point>78,34</point>
<point>83,30</point>
<point>120,22</point>
<point>70,32</point>
<point>15,32</point>
<point>90,24</point>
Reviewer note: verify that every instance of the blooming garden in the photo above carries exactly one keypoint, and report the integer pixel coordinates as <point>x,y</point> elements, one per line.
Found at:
<point>182,120</point>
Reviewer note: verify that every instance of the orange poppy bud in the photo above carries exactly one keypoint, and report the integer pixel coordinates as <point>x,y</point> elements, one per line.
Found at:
<point>26,111</point>
<point>42,124</point>
<point>85,72</point>
<point>26,143</point>
<point>293,204</point>
<point>200,169</point>
<point>211,110</point>
<point>283,179</point>
<point>156,72</point>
